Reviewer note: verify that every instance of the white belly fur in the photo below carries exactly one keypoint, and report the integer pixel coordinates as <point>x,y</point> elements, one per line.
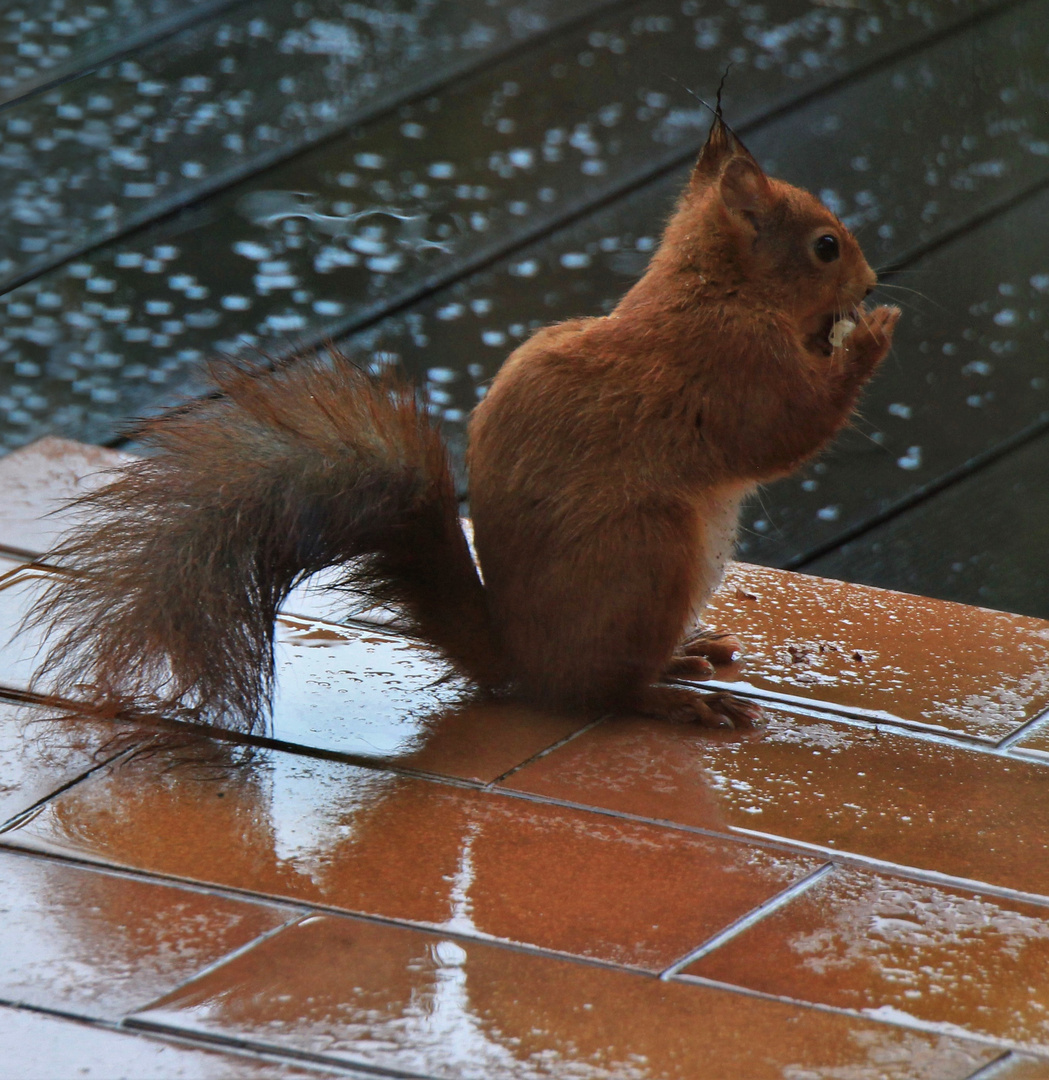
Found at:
<point>718,513</point>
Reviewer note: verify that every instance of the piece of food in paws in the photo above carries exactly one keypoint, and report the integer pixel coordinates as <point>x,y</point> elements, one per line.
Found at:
<point>840,331</point>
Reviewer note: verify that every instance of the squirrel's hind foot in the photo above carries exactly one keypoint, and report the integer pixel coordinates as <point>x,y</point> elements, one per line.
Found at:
<point>715,646</point>
<point>686,666</point>
<point>698,656</point>
<point>716,710</point>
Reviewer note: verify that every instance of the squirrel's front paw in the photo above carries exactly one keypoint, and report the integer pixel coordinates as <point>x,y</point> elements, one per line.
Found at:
<point>867,345</point>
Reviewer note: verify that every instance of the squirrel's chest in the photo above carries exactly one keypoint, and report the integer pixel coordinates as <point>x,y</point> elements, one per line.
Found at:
<point>718,520</point>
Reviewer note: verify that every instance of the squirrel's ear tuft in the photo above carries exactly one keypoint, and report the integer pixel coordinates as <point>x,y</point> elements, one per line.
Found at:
<point>744,187</point>
<point>721,147</point>
<point>718,149</point>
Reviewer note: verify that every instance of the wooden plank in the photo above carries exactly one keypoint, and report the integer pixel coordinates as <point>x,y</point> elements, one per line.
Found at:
<point>460,335</point>
<point>166,124</point>
<point>968,371</point>
<point>981,541</point>
<point>45,41</point>
<point>493,160</point>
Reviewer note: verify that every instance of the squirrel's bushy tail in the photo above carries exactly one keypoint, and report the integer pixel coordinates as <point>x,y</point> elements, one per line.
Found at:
<point>176,573</point>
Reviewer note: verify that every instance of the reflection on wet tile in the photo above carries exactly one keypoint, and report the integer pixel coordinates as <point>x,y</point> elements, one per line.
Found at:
<point>388,845</point>
<point>375,695</point>
<point>848,787</point>
<point>42,749</point>
<point>928,661</point>
<point>41,1047</point>
<point>38,479</point>
<point>899,950</point>
<point>404,1000</point>
<point>100,944</point>
<point>352,691</point>
<point>355,691</point>
<point>21,651</point>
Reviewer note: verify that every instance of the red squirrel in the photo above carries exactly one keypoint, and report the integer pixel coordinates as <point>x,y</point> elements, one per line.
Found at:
<point>607,463</point>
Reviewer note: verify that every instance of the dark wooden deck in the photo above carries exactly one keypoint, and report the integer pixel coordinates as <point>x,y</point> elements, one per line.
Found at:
<point>428,182</point>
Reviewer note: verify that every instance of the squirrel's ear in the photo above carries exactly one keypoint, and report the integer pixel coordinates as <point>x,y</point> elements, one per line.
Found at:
<point>744,187</point>
<point>722,145</point>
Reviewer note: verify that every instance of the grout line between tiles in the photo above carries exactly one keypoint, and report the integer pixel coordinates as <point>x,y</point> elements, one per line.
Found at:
<point>896,1019</point>
<point>27,814</point>
<point>732,834</point>
<point>917,874</point>
<point>150,877</point>
<point>755,915</point>
<point>355,1068</point>
<point>31,697</point>
<point>994,1068</point>
<point>58,1014</point>
<point>9,551</point>
<point>226,958</point>
<point>1032,757</point>
<point>856,715</point>
<point>1022,732</point>
<point>907,1023</point>
<point>179,1037</point>
<point>540,754</point>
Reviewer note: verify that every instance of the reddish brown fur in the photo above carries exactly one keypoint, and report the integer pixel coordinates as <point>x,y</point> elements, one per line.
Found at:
<point>606,446</point>
<point>607,463</point>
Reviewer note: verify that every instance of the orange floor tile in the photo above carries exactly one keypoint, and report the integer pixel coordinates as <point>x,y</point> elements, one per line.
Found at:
<point>398,882</point>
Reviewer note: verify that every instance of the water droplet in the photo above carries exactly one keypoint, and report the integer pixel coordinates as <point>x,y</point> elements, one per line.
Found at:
<point>912,459</point>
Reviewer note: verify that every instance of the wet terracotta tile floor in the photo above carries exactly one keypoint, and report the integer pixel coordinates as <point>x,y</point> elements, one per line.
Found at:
<point>404,882</point>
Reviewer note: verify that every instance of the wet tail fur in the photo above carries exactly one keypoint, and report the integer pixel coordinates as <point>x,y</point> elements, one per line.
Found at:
<point>174,578</point>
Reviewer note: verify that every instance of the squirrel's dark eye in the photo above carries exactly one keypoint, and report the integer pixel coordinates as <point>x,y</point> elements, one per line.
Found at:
<point>826,248</point>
